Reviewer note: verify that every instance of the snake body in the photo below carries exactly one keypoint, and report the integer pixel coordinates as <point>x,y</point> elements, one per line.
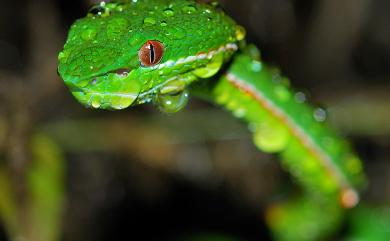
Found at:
<point>127,53</point>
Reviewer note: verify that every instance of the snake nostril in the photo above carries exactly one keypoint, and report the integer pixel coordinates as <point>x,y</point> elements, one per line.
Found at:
<point>93,81</point>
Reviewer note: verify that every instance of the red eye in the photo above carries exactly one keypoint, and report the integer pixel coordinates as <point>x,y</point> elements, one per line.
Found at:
<point>151,53</point>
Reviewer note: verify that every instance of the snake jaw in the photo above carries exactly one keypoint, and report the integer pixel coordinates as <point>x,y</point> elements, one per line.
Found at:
<point>110,91</point>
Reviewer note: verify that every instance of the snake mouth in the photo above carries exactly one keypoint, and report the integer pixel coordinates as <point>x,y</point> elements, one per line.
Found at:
<point>110,91</point>
<point>105,100</point>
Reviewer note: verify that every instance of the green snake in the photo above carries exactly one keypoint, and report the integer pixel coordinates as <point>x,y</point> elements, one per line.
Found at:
<point>153,51</point>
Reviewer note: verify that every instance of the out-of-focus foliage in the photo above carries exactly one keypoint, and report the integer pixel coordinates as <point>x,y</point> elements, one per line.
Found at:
<point>39,215</point>
<point>370,223</point>
<point>209,237</point>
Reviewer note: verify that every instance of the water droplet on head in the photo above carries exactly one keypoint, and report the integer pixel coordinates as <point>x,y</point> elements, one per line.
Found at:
<point>179,33</point>
<point>168,12</point>
<point>62,55</point>
<point>163,23</point>
<point>149,21</point>
<point>88,34</point>
<point>128,92</point>
<point>211,68</point>
<point>84,83</point>
<point>95,103</point>
<point>320,114</point>
<point>119,8</point>
<point>189,9</point>
<point>173,87</point>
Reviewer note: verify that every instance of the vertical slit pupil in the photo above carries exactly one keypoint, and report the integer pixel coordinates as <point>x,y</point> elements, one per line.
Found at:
<point>152,57</point>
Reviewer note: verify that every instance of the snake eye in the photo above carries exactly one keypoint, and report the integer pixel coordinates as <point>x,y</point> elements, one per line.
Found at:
<point>151,53</point>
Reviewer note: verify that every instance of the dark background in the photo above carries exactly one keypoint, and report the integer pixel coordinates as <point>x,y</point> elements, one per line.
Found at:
<point>140,173</point>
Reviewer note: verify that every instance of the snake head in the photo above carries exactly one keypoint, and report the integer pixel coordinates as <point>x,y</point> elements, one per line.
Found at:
<point>122,54</point>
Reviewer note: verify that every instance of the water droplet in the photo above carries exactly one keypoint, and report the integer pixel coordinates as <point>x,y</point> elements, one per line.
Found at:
<point>149,21</point>
<point>80,96</point>
<point>310,164</point>
<point>252,51</point>
<point>189,9</point>
<point>62,55</point>
<point>179,34</point>
<point>256,66</point>
<point>211,68</point>
<point>239,112</point>
<point>119,8</point>
<point>319,114</point>
<point>163,23</point>
<point>300,97</point>
<point>330,144</point>
<point>88,34</point>
<point>240,32</point>
<point>125,91</point>
<point>168,12</point>
<point>353,164</point>
<point>282,93</point>
<point>271,136</point>
<point>252,127</point>
<point>173,87</point>
<point>172,103</point>
<point>95,103</point>
<point>83,83</point>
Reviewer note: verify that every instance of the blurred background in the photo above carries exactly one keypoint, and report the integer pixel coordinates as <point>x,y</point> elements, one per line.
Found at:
<point>74,174</point>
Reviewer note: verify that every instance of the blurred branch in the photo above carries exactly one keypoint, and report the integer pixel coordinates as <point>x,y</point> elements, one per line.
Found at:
<point>139,135</point>
<point>361,111</point>
<point>45,41</point>
<point>28,211</point>
<point>334,31</point>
